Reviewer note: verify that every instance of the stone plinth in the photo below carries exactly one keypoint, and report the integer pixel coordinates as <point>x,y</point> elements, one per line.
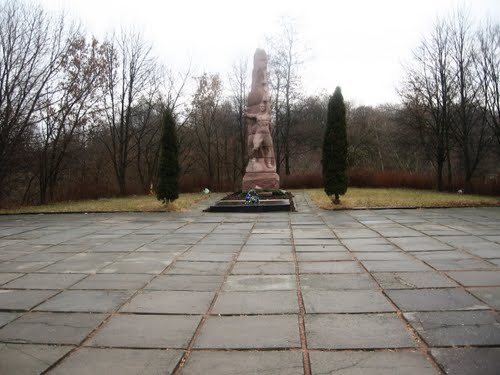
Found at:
<point>260,180</point>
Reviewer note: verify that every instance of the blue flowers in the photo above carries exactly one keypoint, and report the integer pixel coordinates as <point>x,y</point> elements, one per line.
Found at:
<point>252,197</point>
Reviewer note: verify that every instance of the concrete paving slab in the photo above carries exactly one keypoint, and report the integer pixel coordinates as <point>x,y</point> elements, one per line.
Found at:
<point>146,331</point>
<point>395,265</point>
<point>466,361</point>
<point>169,302</point>
<point>7,317</point>
<point>489,295</point>
<point>423,243</point>
<point>263,268</point>
<point>259,282</point>
<point>442,255</point>
<point>434,300</point>
<point>51,328</point>
<point>267,302</point>
<point>451,328</point>
<point>373,363</point>
<point>413,280</point>
<point>199,283</point>
<point>330,267</point>
<point>252,362</point>
<point>249,332</point>
<point>26,359</point>
<point>6,277</point>
<point>356,331</point>
<point>323,256</point>
<point>22,267</point>
<point>207,257</point>
<point>345,301</point>
<point>198,268</point>
<point>379,255</point>
<point>105,301</point>
<point>45,281</point>
<point>341,281</point>
<point>476,278</point>
<point>92,361</point>
<point>269,256</point>
<point>137,267</point>
<point>318,248</point>
<point>13,299</point>
<point>460,264</point>
<point>113,282</point>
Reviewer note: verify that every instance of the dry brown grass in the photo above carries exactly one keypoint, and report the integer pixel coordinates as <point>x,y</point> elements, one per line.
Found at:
<point>400,198</point>
<point>143,203</point>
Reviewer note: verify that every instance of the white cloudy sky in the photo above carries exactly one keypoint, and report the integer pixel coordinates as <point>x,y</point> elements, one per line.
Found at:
<point>357,44</point>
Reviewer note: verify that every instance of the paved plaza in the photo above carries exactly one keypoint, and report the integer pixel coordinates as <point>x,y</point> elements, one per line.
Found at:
<point>311,292</point>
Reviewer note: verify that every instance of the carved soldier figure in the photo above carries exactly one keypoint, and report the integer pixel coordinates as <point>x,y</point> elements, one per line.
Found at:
<point>261,168</point>
<point>260,142</point>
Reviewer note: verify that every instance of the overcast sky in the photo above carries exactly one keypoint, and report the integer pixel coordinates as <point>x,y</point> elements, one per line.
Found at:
<point>356,44</point>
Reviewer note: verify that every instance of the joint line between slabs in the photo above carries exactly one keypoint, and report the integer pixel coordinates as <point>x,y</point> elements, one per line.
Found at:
<point>114,313</point>
<point>177,370</point>
<point>302,311</point>
<point>421,344</point>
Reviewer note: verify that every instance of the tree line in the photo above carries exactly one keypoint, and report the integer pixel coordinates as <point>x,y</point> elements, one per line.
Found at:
<point>81,117</point>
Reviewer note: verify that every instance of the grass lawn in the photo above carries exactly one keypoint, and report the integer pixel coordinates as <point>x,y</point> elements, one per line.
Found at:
<point>400,198</point>
<point>132,203</point>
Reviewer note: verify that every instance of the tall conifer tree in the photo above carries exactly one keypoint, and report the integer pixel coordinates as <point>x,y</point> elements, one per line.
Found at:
<point>335,148</point>
<point>168,168</point>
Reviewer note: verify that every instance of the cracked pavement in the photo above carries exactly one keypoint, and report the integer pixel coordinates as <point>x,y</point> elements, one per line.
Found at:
<point>396,291</point>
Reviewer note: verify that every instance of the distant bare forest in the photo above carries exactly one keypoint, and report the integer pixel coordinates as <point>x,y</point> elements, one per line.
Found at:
<point>81,117</point>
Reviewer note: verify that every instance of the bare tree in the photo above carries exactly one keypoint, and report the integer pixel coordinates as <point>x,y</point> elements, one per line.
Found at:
<point>130,77</point>
<point>469,125</point>
<point>428,92</point>
<point>70,104</point>
<point>206,102</point>
<point>238,80</point>
<point>489,72</point>
<point>32,47</point>
<point>286,58</point>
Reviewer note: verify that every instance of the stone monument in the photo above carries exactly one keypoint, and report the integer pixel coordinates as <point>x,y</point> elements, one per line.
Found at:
<point>261,169</point>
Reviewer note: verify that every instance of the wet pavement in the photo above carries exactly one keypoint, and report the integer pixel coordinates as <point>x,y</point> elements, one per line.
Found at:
<point>310,292</point>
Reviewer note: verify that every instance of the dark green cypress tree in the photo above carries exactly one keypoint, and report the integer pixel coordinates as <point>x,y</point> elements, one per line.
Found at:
<point>335,148</point>
<point>168,168</point>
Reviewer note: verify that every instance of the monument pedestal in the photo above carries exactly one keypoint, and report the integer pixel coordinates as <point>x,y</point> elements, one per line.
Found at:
<point>260,180</point>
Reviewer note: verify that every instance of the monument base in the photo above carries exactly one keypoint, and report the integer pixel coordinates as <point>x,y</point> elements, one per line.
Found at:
<point>260,180</point>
